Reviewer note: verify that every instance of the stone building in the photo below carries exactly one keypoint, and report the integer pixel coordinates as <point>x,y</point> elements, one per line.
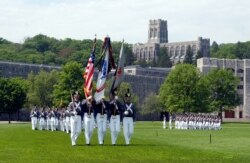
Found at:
<point>158,38</point>
<point>241,69</point>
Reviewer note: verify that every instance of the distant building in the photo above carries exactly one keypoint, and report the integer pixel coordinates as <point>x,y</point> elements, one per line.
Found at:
<point>241,69</point>
<point>16,69</point>
<point>158,38</point>
<point>145,81</point>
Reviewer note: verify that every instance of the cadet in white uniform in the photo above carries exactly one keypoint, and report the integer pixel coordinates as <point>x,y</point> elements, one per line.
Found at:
<point>101,118</point>
<point>75,118</point>
<point>128,118</point>
<point>114,116</point>
<point>88,113</point>
<point>34,116</point>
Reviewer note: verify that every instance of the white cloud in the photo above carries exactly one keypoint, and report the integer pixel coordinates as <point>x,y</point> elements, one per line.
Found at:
<point>222,21</point>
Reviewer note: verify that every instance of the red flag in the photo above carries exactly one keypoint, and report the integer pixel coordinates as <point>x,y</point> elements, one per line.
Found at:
<point>89,72</point>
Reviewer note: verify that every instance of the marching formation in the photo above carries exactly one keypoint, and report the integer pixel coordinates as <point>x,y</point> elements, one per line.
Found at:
<point>86,115</point>
<point>194,121</point>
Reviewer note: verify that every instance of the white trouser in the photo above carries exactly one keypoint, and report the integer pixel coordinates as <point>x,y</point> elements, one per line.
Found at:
<point>67,124</point>
<point>164,123</point>
<point>48,123</point>
<point>52,123</point>
<point>114,127</point>
<point>41,123</point>
<point>75,123</point>
<point>170,124</point>
<point>128,128</point>
<point>89,126</point>
<point>57,122</point>
<point>62,122</point>
<point>101,126</point>
<point>33,122</point>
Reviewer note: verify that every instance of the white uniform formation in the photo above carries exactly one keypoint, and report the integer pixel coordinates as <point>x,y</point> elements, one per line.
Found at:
<point>87,115</point>
<point>194,121</point>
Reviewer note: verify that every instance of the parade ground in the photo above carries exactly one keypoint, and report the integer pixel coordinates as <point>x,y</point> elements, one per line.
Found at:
<point>150,143</point>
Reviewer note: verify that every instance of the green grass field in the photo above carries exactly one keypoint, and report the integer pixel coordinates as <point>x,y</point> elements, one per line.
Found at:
<point>150,143</point>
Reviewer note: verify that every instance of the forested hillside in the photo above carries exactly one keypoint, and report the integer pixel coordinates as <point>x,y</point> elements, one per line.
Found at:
<point>42,49</point>
<point>239,50</point>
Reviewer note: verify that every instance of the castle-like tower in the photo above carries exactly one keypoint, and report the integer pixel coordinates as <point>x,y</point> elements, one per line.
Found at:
<point>158,31</point>
<point>158,38</point>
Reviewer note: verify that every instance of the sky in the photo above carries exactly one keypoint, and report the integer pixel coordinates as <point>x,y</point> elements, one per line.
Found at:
<point>221,21</point>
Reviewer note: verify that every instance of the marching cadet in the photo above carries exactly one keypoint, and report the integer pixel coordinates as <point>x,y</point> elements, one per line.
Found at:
<point>52,120</point>
<point>128,118</point>
<point>76,117</point>
<point>34,116</point>
<point>42,120</point>
<point>114,116</point>
<point>101,118</point>
<point>88,109</point>
<point>62,119</point>
<point>67,120</point>
<point>48,117</point>
<point>170,121</point>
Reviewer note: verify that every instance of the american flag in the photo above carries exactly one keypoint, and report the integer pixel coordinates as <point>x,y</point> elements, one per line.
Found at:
<point>89,72</point>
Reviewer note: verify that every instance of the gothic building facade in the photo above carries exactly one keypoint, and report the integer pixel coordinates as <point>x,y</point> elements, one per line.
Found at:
<point>158,38</point>
<point>241,69</point>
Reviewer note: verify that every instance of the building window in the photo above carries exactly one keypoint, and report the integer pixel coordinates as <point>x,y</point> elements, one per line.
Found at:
<point>240,71</point>
<point>129,71</point>
<point>241,78</point>
<point>240,87</point>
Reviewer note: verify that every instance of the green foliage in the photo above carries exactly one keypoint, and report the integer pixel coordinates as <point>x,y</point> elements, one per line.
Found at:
<point>222,86</point>
<point>240,50</point>
<point>41,88</point>
<point>42,49</point>
<point>164,60</point>
<point>178,91</point>
<point>189,56</point>
<point>185,90</point>
<point>69,80</point>
<point>12,94</point>
<point>214,47</point>
<point>151,105</point>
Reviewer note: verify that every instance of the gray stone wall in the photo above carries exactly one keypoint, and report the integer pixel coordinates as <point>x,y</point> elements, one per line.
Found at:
<point>15,69</point>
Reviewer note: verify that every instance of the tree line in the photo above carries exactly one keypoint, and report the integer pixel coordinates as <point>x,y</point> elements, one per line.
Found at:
<point>42,49</point>
<point>186,89</point>
<point>48,89</point>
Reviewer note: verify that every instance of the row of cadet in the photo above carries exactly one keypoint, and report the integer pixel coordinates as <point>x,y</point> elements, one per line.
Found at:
<point>193,121</point>
<point>87,114</point>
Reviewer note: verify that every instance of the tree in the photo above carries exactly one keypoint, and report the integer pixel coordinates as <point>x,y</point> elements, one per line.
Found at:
<point>12,95</point>
<point>164,60</point>
<point>151,105</point>
<point>222,86</point>
<point>70,79</point>
<point>41,87</point>
<point>177,93</point>
<point>214,47</point>
<point>189,56</point>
